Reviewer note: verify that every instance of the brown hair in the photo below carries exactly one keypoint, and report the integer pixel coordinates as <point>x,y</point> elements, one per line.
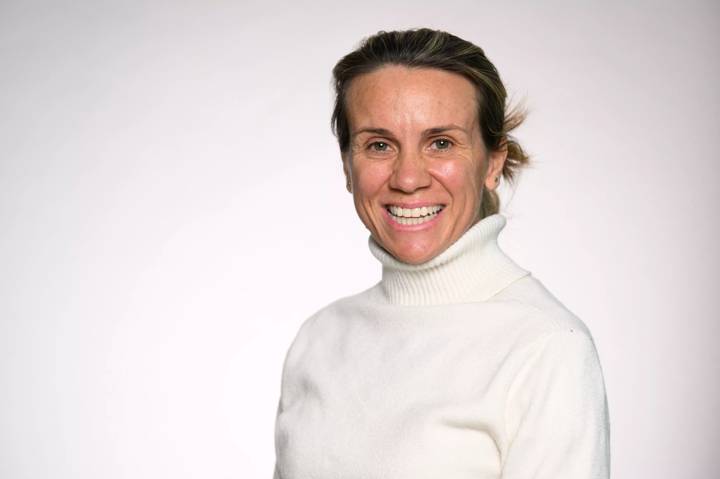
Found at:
<point>428,48</point>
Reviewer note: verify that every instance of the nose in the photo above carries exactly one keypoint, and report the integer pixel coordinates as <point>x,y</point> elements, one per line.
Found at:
<point>409,172</point>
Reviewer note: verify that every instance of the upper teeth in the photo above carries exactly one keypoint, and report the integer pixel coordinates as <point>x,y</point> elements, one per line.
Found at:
<point>414,212</point>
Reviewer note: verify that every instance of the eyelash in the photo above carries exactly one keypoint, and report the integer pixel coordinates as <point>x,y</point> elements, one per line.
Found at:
<point>372,145</point>
<point>449,143</point>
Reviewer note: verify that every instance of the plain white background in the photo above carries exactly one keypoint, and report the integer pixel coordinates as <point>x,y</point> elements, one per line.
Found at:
<point>172,207</point>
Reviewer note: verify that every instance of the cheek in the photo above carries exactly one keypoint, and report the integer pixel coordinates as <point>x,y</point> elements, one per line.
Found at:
<point>369,179</point>
<point>460,177</point>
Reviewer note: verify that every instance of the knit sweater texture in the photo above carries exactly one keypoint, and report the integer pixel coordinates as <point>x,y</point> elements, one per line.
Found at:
<point>463,367</point>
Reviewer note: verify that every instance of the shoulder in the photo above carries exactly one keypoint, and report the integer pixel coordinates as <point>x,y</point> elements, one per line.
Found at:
<point>557,345</point>
<point>549,329</point>
<point>547,313</point>
<point>326,321</point>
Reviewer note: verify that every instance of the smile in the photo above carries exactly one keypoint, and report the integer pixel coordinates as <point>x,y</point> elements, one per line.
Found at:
<point>413,216</point>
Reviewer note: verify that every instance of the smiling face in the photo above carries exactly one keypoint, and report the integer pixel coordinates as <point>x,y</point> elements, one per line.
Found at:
<point>417,163</point>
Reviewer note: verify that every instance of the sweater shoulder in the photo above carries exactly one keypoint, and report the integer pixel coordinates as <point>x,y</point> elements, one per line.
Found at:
<point>522,312</point>
<point>324,318</point>
<point>545,309</point>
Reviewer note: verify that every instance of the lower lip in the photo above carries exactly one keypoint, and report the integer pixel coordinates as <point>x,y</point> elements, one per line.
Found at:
<point>419,227</point>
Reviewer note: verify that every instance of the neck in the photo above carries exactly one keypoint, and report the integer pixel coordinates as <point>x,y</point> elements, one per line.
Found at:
<point>474,268</point>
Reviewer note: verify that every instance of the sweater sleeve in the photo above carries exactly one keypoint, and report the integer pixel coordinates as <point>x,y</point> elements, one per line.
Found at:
<point>557,414</point>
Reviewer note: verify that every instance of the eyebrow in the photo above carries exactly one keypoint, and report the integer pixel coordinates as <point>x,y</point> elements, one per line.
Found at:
<point>427,132</point>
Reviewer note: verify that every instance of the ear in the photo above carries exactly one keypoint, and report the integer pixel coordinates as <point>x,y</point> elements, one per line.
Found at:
<point>496,161</point>
<point>347,171</point>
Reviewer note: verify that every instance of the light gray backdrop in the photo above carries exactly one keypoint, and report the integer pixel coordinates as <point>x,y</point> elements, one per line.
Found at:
<point>172,208</point>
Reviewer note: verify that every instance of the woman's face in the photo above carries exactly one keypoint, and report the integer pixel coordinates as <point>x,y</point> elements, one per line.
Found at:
<point>417,162</point>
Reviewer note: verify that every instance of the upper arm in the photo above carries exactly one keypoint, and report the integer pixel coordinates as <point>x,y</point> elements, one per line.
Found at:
<point>556,412</point>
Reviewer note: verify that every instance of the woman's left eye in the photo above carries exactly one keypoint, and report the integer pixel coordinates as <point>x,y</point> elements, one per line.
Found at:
<point>442,143</point>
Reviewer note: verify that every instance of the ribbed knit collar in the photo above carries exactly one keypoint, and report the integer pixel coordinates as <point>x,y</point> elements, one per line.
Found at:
<point>474,268</point>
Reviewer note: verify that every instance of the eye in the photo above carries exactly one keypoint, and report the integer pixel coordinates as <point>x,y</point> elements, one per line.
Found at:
<point>379,146</point>
<point>442,143</point>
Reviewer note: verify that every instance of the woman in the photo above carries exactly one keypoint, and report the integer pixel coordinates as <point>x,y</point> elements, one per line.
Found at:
<point>458,363</point>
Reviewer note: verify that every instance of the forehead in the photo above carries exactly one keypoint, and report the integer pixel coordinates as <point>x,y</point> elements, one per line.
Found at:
<point>400,97</point>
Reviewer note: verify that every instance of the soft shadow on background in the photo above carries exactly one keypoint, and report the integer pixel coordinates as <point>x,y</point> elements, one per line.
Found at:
<point>172,207</point>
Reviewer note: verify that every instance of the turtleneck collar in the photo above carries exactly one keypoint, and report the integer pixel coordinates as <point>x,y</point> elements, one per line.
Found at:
<point>472,269</point>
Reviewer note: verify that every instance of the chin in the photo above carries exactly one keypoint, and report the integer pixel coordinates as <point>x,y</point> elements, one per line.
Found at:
<point>415,254</point>
<point>415,260</point>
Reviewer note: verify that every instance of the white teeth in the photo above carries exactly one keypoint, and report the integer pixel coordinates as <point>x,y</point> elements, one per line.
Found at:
<point>414,216</point>
<point>414,212</point>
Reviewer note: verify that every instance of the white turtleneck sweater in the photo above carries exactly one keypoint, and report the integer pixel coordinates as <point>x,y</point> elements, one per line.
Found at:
<point>464,367</point>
